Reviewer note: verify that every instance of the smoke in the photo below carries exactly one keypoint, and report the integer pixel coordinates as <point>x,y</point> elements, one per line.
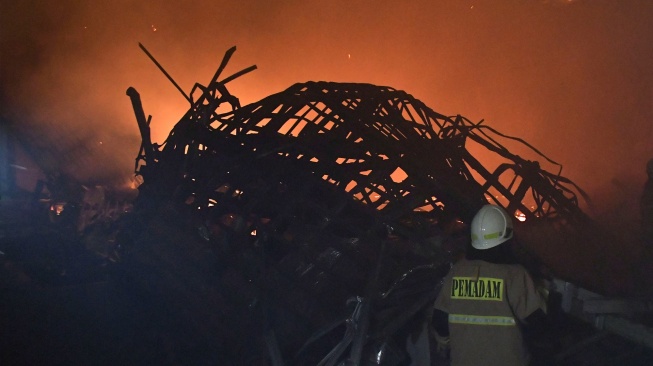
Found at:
<point>571,77</point>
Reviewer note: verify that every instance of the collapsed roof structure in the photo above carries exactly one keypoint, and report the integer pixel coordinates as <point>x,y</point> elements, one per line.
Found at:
<point>381,146</point>
<point>314,196</point>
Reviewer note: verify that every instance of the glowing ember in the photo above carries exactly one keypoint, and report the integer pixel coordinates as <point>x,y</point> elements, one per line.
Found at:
<point>57,208</point>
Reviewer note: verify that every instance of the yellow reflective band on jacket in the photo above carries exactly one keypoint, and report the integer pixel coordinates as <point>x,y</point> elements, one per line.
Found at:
<point>481,320</point>
<point>483,288</point>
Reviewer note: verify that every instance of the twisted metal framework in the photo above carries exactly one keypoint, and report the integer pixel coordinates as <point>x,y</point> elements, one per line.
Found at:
<point>379,146</point>
<point>296,193</point>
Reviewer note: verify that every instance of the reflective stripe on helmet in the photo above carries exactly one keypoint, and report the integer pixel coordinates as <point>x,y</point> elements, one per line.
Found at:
<point>492,235</point>
<point>487,236</point>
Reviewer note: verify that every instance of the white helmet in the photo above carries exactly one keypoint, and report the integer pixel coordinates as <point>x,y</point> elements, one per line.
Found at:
<point>490,227</point>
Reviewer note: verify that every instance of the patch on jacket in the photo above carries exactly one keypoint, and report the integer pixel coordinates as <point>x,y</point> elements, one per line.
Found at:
<point>485,288</point>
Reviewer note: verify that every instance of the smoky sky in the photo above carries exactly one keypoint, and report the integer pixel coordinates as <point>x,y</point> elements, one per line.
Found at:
<point>572,78</point>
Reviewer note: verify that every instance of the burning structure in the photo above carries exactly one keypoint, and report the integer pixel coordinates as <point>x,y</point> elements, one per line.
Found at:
<point>316,223</point>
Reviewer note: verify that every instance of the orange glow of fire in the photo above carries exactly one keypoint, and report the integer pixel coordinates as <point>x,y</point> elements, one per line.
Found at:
<point>57,208</point>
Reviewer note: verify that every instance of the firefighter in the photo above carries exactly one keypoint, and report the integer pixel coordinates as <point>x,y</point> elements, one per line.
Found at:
<point>487,298</point>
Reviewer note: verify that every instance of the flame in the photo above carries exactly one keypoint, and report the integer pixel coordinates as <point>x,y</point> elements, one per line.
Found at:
<point>57,208</point>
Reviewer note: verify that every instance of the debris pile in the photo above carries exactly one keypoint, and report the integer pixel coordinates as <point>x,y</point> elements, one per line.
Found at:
<point>314,225</point>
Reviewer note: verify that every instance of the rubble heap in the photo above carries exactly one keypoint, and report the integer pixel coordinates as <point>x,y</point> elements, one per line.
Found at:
<point>265,221</point>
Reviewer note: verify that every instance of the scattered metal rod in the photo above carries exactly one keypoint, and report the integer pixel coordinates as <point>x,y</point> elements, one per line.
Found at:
<point>164,72</point>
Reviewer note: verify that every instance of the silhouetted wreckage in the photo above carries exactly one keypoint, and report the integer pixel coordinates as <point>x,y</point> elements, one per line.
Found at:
<point>314,225</point>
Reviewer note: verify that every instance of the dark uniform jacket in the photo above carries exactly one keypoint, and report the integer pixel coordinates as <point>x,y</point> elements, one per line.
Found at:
<point>486,303</point>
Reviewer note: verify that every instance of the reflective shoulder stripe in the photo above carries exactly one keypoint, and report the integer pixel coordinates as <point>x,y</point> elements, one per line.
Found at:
<point>481,320</point>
